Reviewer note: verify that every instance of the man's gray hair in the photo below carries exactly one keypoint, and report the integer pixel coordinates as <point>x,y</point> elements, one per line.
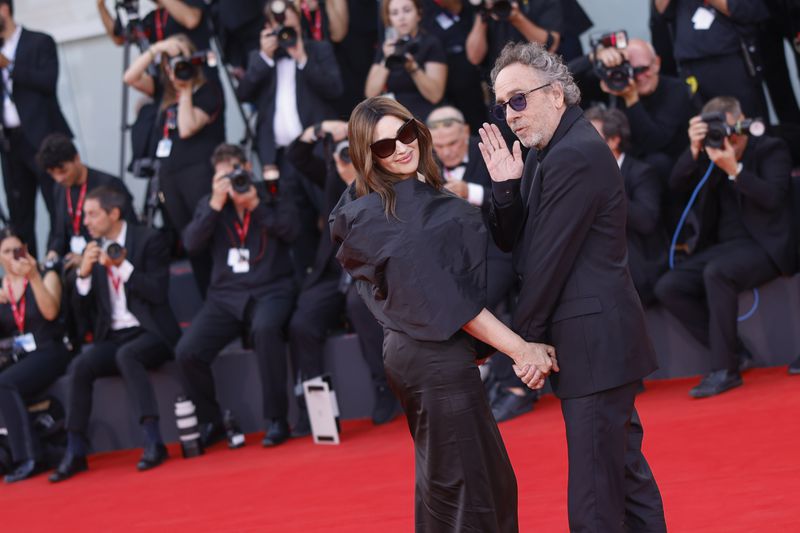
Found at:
<point>550,67</point>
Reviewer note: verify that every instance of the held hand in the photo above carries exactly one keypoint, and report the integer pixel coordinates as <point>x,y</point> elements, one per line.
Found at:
<point>542,356</point>
<point>91,254</point>
<point>502,164</point>
<point>530,376</point>
<point>458,187</point>
<point>724,158</point>
<point>220,190</point>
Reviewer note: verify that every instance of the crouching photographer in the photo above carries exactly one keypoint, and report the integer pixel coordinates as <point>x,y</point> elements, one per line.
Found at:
<point>743,237</point>
<point>246,226</point>
<point>34,355</point>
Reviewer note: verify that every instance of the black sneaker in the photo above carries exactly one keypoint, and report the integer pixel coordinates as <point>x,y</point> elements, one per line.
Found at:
<point>715,383</point>
<point>277,432</point>
<point>233,433</point>
<point>385,407</point>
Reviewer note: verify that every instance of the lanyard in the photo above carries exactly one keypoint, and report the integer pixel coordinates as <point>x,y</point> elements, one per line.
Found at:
<point>18,311</point>
<point>76,215</point>
<point>116,281</point>
<point>242,229</point>
<point>169,122</point>
<point>316,26</point>
<point>161,24</point>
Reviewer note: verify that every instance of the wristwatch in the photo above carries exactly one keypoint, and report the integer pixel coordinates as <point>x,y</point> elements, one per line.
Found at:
<point>739,168</point>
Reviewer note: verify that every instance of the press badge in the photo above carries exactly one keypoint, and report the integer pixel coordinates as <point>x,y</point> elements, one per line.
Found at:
<point>239,260</point>
<point>703,18</point>
<point>444,21</point>
<point>164,148</point>
<point>77,243</point>
<point>26,342</point>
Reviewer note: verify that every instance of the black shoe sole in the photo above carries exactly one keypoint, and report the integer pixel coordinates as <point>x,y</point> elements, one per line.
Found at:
<point>715,393</point>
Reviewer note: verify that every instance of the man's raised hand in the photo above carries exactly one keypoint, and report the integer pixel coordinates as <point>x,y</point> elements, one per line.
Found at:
<point>502,164</point>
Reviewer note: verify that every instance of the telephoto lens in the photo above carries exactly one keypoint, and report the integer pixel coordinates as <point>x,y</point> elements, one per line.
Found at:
<point>188,428</point>
<point>240,179</point>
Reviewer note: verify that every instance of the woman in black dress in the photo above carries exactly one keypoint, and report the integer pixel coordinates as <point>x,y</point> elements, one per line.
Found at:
<point>29,310</point>
<point>418,255</point>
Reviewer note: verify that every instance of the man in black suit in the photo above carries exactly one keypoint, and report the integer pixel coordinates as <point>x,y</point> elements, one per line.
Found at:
<point>293,87</point>
<point>465,174</point>
<point>124,275</point>
<point>29,111</point>
<point>565,221</point>
<point>247,227</point>
<point>744,238</point>
<point>328,292</point>
<point>647,243</point>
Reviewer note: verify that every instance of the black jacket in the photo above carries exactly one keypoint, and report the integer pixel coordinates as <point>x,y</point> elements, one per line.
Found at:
<point>318,84</point>
<point>762,190</point>
<point>34,77</point>
<point>566,224</point>
<point>147,290</point>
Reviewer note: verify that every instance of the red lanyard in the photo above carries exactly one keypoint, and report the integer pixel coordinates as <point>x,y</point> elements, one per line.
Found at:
<point>161,24</point>
<point>316,26</point>
<point>169,122</point>
<point>76,215</point>
<point>18,311</point>
<point>242,229</point>
<point>116,281</point>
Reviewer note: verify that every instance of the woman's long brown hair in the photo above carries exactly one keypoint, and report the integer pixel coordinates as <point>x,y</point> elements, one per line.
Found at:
<point>170,95</point>
<point>371,176</point>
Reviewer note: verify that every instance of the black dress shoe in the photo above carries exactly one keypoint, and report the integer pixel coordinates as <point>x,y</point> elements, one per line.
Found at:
<point>794,368</point>
<point>385,408</point>
<point>212,433</point>
<point>25,470</point>
<point>69,466</point>
<point>508,405</point>
<point>715,383</point>
<point>277,432</point>
<point>303,426</point>
<point>154,454</point>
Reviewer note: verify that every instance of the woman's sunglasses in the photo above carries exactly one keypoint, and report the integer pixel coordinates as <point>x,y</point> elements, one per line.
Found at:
<point>407,134</point>
<point>518,102</point>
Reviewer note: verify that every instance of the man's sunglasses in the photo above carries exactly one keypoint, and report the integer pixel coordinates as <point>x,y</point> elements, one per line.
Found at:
<point>407,134</point>
<point>638,71</point>
<point>518,102</point>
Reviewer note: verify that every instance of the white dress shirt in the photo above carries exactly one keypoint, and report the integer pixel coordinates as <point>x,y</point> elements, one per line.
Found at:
<point>474,191</point>
<point>121,316</point>
<point>286,124</point>
<point>620,159</point>
<point>9,50</point>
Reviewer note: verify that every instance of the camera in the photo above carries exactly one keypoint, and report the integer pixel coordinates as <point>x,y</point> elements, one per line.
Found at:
<point>500,9</point>
<point>241,179</point>
<point>115,251</point>
<point>617,77</point>
<point>343,151</point>
<point>186,68</point>
<point>719,129</point>
<point>287,36</point>
<point>10,353</point>
<point>19,253</point>
<point>404,45</point>
<point>131,7</point>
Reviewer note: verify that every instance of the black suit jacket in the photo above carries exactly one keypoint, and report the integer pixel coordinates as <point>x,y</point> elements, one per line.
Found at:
<point>762,190</point>
<point>35,77</point>
<point>147,290</point>
<point>59,239</point>
<point>566,225</point>
<point>318,84</point>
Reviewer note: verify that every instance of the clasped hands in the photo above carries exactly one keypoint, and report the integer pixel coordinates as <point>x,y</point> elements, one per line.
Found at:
<point>535,363</point>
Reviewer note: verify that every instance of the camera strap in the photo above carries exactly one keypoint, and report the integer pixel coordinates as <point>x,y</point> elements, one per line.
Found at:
<point>161,23</point>
<point>116,281</point>
<point>18,310</point>
<point>75,215</point>
<point>243,228</point>
<point>316,24</point>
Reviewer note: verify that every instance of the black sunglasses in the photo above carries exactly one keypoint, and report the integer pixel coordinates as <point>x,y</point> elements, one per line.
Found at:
<point>518,102</point>
<point>407,134</point>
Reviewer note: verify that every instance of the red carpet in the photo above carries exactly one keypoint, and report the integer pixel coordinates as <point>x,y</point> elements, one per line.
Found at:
<point>726,464</point>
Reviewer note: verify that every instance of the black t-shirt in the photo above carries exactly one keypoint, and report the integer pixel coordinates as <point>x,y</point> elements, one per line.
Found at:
<point>546,14</point>
<point>159,24</point>
<point>399,82</point>
<point>45,332</point>
<point>315,24</point>
<point>199,147</point>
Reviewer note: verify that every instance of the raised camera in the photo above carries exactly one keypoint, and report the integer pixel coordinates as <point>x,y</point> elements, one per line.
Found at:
<point>287,36</point>
<point>404,45</point>
<point>617,77</point>
<point>241,179</point>
<point>500,9</point>
<point>186,68</point>
<point>719,129</point>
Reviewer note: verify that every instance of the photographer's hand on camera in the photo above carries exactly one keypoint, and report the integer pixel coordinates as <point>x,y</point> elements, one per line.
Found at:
<point>269,41</point>
<point>220,190</point>
<point>697,135</point>
<point>298,51</point>
<point>724,158</point>
<point>91,255</point>
<point>614,57</point>
<point>388,50</point>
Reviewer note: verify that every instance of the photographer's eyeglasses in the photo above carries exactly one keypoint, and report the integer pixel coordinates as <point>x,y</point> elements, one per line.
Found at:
<point>638,71</point>
<point>518,102</point>
<point>407,134</point>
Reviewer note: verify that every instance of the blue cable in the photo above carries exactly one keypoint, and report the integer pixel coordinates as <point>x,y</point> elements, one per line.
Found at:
<point>682,221</point>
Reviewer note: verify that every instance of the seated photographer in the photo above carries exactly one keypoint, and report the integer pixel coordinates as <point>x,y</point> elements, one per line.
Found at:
<point>411,65</point>
<point>247,226</point>
<point>124,279</point>
<point>744,238</point>
<point>715,43</point>
<point>36,356</point>
<point>294,83</point>
<point>189,125</point>
<point>170,17</point>
<point>327,291</point>
<point>647,243</point>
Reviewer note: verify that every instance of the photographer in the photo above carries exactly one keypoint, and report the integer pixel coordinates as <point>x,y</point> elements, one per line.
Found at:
<point>29,308</point>
<point>744,237</point>
<point>171,17</point>
<point>411,65</point>
<point>247,227</point>
<point>123,279</point>
<point>716,49</point>
<point>327,291</point>
<point>324,20</point>
<point>188,127</point>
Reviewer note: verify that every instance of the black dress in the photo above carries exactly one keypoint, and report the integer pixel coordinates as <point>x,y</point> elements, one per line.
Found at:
<point>423,276</point>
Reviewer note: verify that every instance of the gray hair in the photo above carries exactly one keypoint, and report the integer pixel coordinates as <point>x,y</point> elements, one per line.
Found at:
<point>549,66</point>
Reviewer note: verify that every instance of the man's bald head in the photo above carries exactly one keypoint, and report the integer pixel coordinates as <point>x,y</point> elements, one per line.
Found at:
<point>450,135</point>
<point>642,57</point>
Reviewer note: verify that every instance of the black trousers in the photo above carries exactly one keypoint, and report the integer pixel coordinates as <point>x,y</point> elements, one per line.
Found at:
<point>703,294</point>
<point>611,487</point>
<point>19,384</point>
<point>319,307</point>
<point>727,76</point>
<point>21,177</point>
<point>130,353</point>
<point>213,328</point>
